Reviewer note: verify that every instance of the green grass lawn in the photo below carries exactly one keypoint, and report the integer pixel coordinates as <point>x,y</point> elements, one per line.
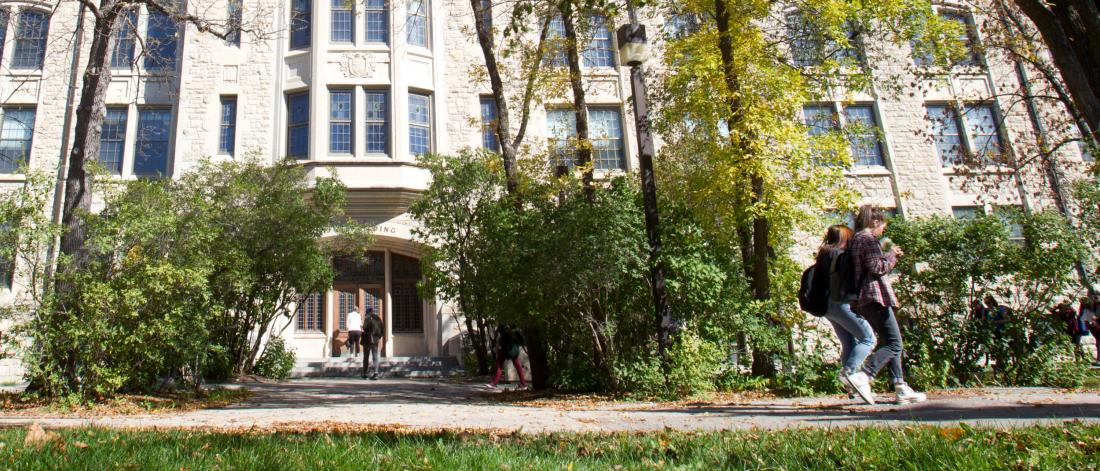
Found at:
<point>1071,446</point>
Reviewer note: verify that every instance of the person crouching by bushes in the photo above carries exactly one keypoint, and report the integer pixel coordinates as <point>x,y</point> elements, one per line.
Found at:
<point>876,302</point>
<point>509,341</point>
<point>855,334</point>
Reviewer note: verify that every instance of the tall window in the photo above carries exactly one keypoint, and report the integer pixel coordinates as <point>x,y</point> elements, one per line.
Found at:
<point>378,21</point>
<point>809,45</point>
<point>300,21</point>
<point>112,141</point>
<point>488,119</point>
<point>5,15</point>
<point>378,136</point>
<point>343,21</point>
<point>606,130</point>
<point>297,144</point>
<point>562,127</point>
<point>151,148</point>
<point>863,135</point>
<point>556,34</point>
<point>31,29</point>
<point>311,313</point>
<point>234,22</point>
<point>982,128</point>
<point>417,23</point>
<point>16,136</point>
<point>123,55</point>
<point>599,51</point>
<point>227,135</point>
<point>160,42</point>
<point>407,308</point>
<point>340,114</point>
<point>420,127</point>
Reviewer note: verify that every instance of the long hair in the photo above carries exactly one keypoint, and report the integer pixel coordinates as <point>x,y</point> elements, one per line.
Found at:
<point>869,217</point>
<point>836,237</point>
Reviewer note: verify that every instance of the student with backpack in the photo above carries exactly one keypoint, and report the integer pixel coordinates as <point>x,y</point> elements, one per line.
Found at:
<point>871,261</point>
<point>831,277</point>
<point>509,341</point>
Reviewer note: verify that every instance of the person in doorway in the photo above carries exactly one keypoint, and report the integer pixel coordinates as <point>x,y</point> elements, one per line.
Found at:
<point>355,331</point>
<point>509,341</point>
<point>372,342</point>
<point>876,302</point>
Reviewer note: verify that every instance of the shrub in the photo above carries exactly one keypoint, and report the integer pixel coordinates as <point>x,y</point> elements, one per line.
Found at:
<point>277,360</point>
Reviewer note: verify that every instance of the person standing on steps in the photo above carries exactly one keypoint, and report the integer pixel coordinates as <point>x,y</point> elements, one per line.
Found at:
<point>871,261</point>
<point>372,342</point>
<point>355,331</point>
<point>508,344</point>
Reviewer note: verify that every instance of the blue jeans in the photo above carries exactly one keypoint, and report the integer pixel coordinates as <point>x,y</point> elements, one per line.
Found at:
<point>890,348</point>
<point>855,334</point>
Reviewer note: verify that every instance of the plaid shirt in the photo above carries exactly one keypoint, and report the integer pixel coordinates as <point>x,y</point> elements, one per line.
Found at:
<point>870,266</point>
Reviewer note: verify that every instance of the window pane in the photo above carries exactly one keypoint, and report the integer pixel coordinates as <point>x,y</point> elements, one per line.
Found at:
<point>5,15</point>
<point>112,141</point>
<point>311,311</point>
<point>378,22</point>
<point>945,134</point>
<point>228,135</point>
<point>561,129</point>
<point>420,132</point>
<point>378,141</point>
<point>340,114</point>
<point>599,52</point>
<point>416,23</point>
<point>123,56</point>
<point>160,43</point>
<point>16,136</point>
<point>407,308</point>
<point>151,148</point>
<point>298,125</point>
<point>819,118</point>
<point>805,48</point>
<point>342,21</point>
<point>556,48</point>
<point>30,40</point>
<point>488,118</point>
<point>966,37</point>
<point>981,123</point>
<point>965,212</point>
<point>300,21</point>
<point>234,22</point>
<point>863,135</point>
<point>607,138</point>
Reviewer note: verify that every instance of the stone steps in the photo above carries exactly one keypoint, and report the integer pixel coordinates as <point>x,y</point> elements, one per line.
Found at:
<point>394,367</point>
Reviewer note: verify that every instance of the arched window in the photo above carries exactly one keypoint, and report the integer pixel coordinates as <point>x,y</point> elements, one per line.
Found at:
<point>31,29</point>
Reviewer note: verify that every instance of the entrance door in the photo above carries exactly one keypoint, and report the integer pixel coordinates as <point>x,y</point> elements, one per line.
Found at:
<point>348,296</point>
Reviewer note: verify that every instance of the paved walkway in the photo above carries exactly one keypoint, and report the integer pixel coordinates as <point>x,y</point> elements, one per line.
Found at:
<point>435,404</point>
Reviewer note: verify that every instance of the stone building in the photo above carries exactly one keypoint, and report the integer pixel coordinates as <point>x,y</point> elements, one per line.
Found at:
<point>361,87</point>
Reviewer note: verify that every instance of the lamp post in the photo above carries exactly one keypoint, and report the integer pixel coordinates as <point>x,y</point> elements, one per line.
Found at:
<point>633,51</point>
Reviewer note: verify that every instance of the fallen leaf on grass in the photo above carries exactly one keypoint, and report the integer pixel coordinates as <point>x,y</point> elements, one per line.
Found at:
<point>37,437</point>
<point>80,444</point>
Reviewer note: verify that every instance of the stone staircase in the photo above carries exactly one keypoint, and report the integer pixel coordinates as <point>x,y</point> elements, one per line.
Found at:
<point>392,367</point>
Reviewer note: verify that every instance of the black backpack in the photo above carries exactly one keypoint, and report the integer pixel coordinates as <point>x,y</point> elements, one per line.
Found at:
<point>813,291</point>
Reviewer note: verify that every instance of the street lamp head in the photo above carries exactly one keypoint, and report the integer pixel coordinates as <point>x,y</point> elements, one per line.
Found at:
<point>633,49</point>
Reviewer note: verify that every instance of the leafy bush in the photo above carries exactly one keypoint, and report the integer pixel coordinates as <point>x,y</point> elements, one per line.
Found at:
<point>950,265</point>
<point>277,360</point>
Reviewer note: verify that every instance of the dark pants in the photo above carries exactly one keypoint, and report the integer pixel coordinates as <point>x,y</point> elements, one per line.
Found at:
<point>889,349</point>
<point>353,339</point>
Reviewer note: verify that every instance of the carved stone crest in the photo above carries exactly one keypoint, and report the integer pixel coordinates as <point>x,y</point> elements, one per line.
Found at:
<point>356,65</point>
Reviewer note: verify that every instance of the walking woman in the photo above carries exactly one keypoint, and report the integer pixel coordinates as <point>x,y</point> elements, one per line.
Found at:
<point>508,344</point>
<point>855,334</point>
<point>876,302</point>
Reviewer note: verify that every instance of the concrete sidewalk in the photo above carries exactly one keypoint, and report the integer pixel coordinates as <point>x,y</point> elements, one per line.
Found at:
<point>442,404</point>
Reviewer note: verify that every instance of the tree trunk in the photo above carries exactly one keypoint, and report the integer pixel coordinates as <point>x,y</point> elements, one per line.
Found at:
<point>502,125</point>
<point>580,105</point>
<point>1071,30</point>
<point>539,355</point>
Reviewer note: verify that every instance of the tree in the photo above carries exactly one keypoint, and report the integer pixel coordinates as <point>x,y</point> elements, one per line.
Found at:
<point>1071,31</point>
<point>738,73</point>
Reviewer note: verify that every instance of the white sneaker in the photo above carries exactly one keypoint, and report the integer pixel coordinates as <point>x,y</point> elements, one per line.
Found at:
<point>906,394</point>
<point>862,385</point>
<point>490,386</point>
<point>844,384</point>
